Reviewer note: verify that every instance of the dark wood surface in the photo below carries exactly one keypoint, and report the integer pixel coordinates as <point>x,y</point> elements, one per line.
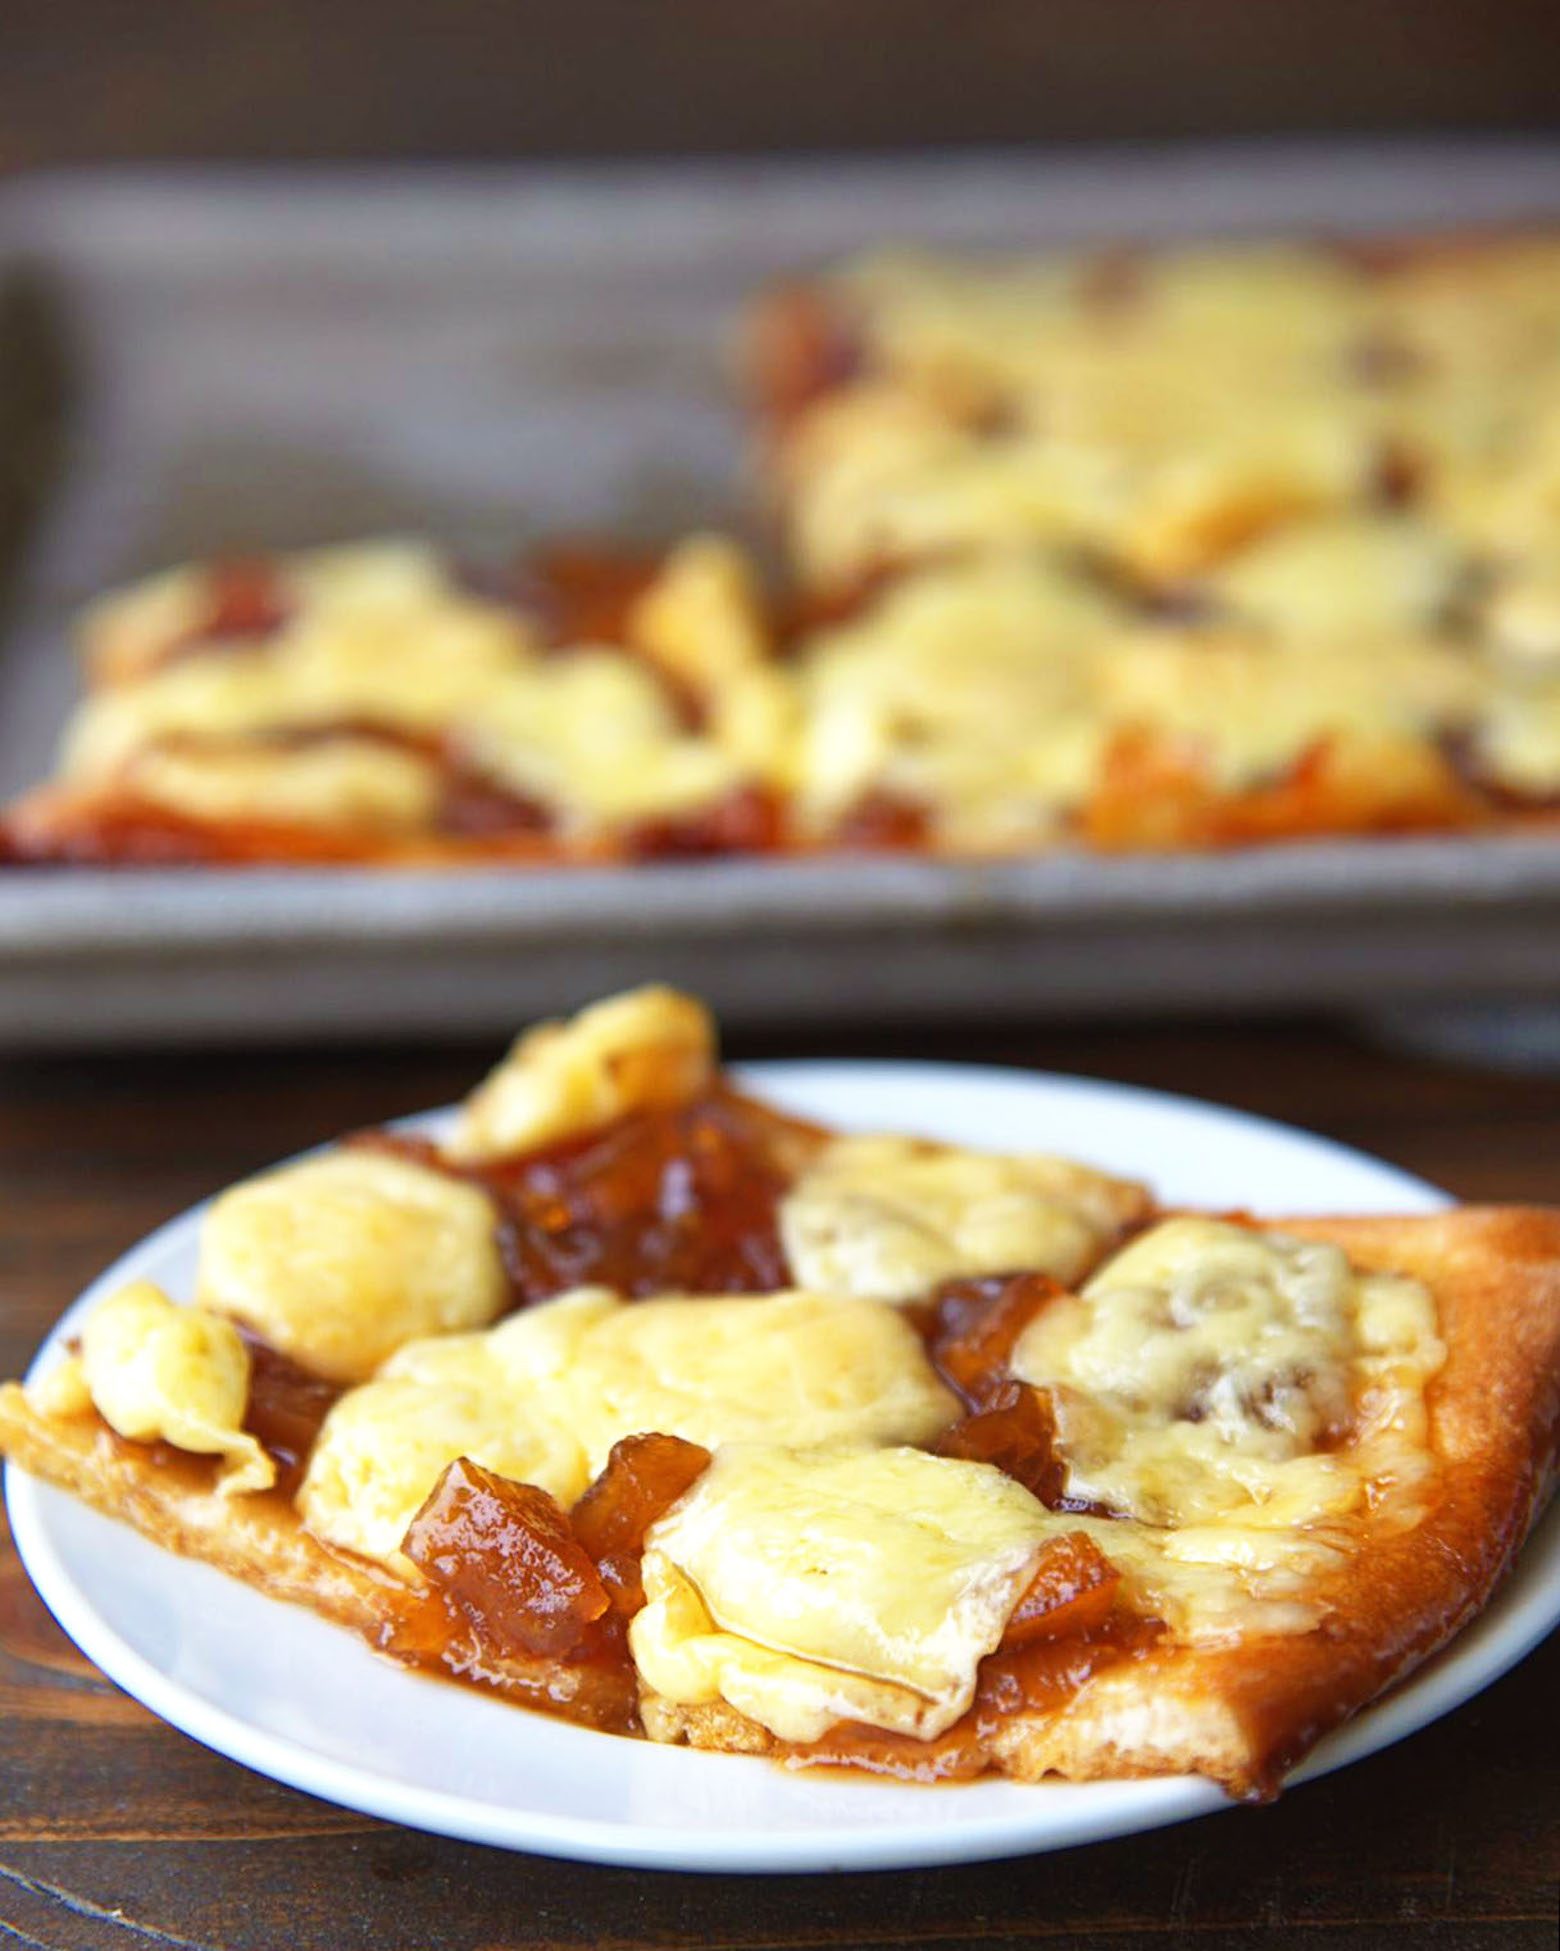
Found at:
<point>117,1832</point>
<point>100,80</point>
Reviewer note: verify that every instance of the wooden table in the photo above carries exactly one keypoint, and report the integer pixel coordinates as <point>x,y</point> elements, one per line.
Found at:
<point>116,1832</point>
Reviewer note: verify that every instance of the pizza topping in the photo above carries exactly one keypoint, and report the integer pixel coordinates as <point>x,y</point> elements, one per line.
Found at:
<point>702,619</point>
<point>286,1408</point>
<point>810,1587</point>
<point>596,738</point>
<point>358,784</point>
<point>1073,1591</point>
<point>647,1049</point>
<point>1042,1674</point>
<point>681,1200</point>
<point>1210,1372</point>
<point>339,1259</point>
<point>644,1477</point>
<point>1249,709</point>
<point>507,1555</point>
<point>891,1218</point>
<point>1016,1431</point>
<point>956,695</point>
<point>974,1326</point>
<point>545,1395</point>
<point>1356,579</point>
<point>155,1371</point>
<point>385,1444</point>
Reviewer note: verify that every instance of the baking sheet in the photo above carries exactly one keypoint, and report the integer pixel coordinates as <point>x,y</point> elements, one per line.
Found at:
<point>218,360</point>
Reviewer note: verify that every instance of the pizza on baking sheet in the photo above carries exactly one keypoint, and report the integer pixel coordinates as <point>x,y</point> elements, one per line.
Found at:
<point>640,1401</point>
<point>1200,547</point>
<point>376,703</point>
<point>1312,495</point>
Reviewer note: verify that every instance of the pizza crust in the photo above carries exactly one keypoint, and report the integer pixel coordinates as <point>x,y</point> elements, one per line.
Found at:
<point>1244,1713</point>
<point>172,1499</point>
<point>1238,1713</point>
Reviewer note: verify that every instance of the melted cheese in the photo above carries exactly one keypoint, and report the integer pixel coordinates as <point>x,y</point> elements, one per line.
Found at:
<point>1524,616</point>
<point>648,1047</point>
<point>1517,739</point>
<point>1179,406</point>
<point>358,785</point>
<point>223,697</point>
<point>1351,579</point>
<point>702,618</point>
<point>375,633</point>
<point>341,1258</point>
<point>545,1395</point>
<point>158,1372</point>
<point>889,1218</point>
<point>964,689</point>
<point>394,598</point>
<point>594,737</point>
<point>1250,710</point>
<point>1202,1370</point>
<point>1201,1382</point>
<point>807,1587</point>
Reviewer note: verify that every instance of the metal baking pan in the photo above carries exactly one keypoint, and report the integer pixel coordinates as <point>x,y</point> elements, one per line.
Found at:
<point>203,360</point>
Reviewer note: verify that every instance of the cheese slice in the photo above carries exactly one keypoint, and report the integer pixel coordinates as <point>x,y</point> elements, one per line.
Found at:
<point>1356,578</point>
<point>358,785</point>
<point>1250,708</point>
<point>155,1371</point>
<point>339,1259</point>
<point>962,690</point>
<point>702,619</point>
<point>807,1587</point>
<point>545,1395</point>
<point>1211,1373</point>
<point>392,602</point>
<point>889,1218</point>
<point>595,738</point>
<point>646,1047</point>
<point>1517,738</point>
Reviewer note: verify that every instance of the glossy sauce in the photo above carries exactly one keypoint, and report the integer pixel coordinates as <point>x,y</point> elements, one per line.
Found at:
<point>287,1406</point>
<point>671,1201</point>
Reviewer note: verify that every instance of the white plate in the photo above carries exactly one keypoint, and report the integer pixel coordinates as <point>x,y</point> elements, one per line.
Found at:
<point>307,1703</point>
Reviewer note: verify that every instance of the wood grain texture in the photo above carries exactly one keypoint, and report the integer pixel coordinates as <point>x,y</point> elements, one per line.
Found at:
<point>92,80</point>
<point>116,1832</point>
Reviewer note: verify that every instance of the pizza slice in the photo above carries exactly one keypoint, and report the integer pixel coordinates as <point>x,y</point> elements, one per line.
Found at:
<point>643,1402</point>
<point>1270,1467</point>
<point>368,1315</point>
<point>377,703</point>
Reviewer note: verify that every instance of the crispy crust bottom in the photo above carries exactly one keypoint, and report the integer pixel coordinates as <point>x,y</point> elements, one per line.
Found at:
<point>1244,1713</point>
<point>171,1498</point>
<point>1240,1714</point>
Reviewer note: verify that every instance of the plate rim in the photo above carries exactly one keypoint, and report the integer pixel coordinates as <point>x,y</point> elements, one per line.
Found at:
<point>1504,1633</point>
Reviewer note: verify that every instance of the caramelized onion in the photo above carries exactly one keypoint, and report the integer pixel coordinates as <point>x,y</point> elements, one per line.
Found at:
<point>506,1555</point>
<point>1073,1591</point>
<point>975,1326</point>
<point>643,1479</point>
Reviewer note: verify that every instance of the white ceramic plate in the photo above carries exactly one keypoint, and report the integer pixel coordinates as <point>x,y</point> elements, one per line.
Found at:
<point>307,1703</point>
